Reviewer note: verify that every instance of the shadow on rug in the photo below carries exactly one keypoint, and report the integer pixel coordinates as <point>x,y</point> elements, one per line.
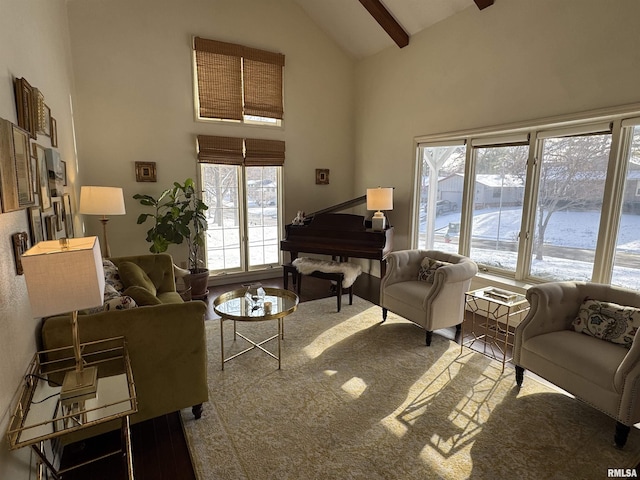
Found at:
<point>359,400</point>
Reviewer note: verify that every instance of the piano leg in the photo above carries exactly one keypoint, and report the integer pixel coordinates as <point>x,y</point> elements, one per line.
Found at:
<point>384,315</point>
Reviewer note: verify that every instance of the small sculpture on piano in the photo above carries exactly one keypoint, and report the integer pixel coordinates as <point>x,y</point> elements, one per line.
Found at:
<point>299,220</point>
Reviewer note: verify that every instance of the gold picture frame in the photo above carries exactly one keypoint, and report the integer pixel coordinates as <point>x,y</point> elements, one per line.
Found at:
<point>146,172</point>
<point>26,107</point>
<point>322,176</point>
<point>16,186</point>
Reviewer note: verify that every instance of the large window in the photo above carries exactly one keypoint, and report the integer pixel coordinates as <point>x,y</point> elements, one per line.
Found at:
<point>441,173</point>
<point>237,83</point>
<point>559,200</point>
<point>499,180</point>
<point>571,189</point>
<point>241,181</point>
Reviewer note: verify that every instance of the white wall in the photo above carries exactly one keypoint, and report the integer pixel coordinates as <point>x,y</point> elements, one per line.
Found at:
<point>133,77</point>
<point>34,45</point>
<point>514,61</point>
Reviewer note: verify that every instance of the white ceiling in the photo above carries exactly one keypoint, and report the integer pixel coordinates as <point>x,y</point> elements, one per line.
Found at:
<point>355,30</point>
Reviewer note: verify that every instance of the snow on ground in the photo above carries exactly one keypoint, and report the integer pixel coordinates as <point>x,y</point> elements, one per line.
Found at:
<point>578,230</point>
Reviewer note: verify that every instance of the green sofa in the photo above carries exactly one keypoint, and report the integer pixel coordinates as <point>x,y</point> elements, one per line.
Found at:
<point>166,344</point>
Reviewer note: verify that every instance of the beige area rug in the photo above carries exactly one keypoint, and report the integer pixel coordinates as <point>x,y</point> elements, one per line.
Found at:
<point>359,400</point>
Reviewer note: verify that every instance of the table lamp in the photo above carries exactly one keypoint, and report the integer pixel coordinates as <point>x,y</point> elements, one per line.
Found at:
<point>65,276</point>
<point>379,199</point>
<point>102,201</point>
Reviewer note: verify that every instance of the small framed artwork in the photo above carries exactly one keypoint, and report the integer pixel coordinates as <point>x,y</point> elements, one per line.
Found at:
<point>16,186</point>
<point>146,172</point>
<point>35,224</point>
<point>64,172</point>
<point>68,215</point>
<point>54,167</point>
<point>51,224</point>
<point>322,176</point>
<point>25,106</point>
<point>43,176</point>
<point>54,133</point>
<point>57,212</point>
<point>20,245</point>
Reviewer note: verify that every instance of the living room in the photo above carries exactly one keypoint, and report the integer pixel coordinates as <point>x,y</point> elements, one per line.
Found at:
<point>117,76</point>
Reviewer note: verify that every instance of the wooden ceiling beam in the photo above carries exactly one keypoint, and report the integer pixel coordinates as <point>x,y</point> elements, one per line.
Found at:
<point>387,22</point>
<point>483,3</point>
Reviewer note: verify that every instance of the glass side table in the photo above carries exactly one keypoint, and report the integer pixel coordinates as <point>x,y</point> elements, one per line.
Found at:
<point>40,413</point>
<point>501,311</point>
<point>236,306</point>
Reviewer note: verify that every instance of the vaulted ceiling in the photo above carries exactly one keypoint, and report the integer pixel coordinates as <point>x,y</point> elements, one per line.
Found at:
<point>364,27</point>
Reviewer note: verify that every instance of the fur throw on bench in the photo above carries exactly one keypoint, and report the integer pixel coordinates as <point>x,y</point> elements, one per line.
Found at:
<point>306,266</point>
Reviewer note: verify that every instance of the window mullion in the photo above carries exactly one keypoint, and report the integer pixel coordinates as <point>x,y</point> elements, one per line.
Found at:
<point>612,203</point>
<point>527,225</point>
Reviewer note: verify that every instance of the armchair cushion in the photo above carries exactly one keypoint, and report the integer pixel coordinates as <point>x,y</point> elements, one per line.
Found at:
<point>428,268</point>
<point>608,321</point>
<point>133,275</point>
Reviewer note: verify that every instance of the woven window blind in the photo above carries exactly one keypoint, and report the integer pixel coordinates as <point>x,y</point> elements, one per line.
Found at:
<point>221,150</point>
<point>222,70</point>
<point>263,152</point>
<point>229,151</point>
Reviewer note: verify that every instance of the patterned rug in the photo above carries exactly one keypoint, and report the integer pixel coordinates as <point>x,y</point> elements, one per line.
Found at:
<point>356,399</point>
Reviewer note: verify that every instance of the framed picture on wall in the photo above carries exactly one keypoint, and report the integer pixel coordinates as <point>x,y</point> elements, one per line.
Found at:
<point>51,224</point>
<point>35,224</point>
<point>43,176</point>
<point>68,215</point>
<point>25,106</point>
<point>16,187</point>
<point>54,133</point>
<point>56,177</point>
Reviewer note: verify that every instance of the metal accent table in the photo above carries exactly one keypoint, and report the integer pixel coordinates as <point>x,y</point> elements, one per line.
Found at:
<point>41,415</point>
<point>234,306</point>
<point>498,307</point>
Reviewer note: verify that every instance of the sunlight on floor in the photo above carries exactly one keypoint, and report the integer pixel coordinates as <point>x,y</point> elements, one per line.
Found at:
<point>354,387</point>
<point>330,337</point>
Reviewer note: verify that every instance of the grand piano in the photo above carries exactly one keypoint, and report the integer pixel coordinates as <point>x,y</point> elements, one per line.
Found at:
<point>340,235</point>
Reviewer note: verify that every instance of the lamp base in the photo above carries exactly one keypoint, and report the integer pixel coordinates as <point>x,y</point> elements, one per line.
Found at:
<point>378,221</point>
<point>79,384</point>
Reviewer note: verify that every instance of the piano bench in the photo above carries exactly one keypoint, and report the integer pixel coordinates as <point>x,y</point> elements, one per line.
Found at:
<point>296,276</point>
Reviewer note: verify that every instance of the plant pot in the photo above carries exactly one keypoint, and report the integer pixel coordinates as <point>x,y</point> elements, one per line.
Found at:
<point>198,281</point>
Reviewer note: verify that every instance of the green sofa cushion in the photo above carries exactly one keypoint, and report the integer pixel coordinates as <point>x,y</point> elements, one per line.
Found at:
<point>142,296</point>
<point>134,276</point>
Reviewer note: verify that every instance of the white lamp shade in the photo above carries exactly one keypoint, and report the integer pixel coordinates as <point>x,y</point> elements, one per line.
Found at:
<point>102,201</point>
<point>62,280</point>
<point>379,198</point>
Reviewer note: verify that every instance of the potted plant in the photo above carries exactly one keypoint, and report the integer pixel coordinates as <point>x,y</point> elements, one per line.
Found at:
<point>179,216</point>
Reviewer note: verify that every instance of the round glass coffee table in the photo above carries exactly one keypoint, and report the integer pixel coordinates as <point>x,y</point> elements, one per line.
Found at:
<point>235,306</point>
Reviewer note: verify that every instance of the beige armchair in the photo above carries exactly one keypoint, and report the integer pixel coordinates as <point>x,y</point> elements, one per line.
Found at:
<point>430,305</point>
<point>602,374</point>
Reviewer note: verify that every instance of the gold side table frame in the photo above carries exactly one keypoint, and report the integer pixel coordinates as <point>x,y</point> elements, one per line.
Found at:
<point>40,414</point>
<point>234,306</point>
<point>500,313</point>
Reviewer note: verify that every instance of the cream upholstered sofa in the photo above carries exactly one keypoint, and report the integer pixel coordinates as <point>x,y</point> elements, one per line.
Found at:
<point>434,304</point>
<point>165,338</point>
<point>601,373</point>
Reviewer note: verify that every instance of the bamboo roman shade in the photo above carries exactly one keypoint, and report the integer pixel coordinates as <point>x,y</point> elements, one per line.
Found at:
<point>223,69</point>
<point>226,150</point>
<point>263,152</point>
<point>250,152</point>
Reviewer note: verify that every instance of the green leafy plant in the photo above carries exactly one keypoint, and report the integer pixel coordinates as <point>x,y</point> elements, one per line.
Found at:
<point>179,216</point>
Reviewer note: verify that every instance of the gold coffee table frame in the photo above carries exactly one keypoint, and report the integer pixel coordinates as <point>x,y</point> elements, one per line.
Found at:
<point>234,306</point>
